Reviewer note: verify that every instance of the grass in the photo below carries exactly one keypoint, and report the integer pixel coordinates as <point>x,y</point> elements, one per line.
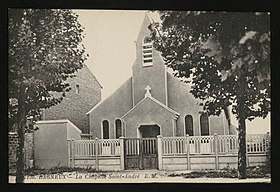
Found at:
<point>252,172</point>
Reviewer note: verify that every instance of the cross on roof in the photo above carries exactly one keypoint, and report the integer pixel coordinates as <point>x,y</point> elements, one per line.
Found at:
<point>148,93</point>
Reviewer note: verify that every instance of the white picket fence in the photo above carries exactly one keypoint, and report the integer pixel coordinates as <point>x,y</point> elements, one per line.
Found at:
<point>256,143</point>
<point>197,151</point>
<point>226,144</point>
<point>88,148</point>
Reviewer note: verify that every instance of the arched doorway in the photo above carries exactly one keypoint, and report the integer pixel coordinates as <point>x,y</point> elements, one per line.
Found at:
<point>141,152</point>
<point>149,131</point>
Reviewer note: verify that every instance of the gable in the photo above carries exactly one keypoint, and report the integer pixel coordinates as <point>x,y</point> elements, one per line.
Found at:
<point>77,103</point>
<point>149,106</point>
<point>85,72</point>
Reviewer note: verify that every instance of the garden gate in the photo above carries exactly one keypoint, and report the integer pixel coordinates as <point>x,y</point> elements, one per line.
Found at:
<point>140,153</point>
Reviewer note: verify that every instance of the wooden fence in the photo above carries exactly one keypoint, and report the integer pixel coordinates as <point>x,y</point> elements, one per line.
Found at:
<point>95,153</point>
<point>189,152</point>
<point>210,152</point>
<point>222,144</point>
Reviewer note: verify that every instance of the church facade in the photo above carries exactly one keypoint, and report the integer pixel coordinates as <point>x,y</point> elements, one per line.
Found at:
<point>152,102</point>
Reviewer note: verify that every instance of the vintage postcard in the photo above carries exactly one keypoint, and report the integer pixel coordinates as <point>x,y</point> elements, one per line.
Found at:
<point>134,113</point>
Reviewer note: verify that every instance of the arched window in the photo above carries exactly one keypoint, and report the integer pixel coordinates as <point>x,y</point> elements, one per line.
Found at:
<point>105,129</point>
<point>147,51</point>
<point>118,125</point>
<point>204,124</point>
<point>189,125</point>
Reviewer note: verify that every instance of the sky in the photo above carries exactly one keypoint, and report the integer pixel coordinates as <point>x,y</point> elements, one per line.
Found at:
<point>109,41</point>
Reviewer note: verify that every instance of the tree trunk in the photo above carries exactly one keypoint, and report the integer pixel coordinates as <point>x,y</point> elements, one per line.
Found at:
<point>242,148</point>
<point>20,150</point>
<point>226,111</point>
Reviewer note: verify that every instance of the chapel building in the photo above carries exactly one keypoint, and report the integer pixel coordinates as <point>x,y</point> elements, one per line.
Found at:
<point>85,93</point>
<point>152,102</point>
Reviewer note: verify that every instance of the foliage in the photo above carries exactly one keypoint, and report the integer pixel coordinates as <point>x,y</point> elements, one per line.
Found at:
<point>223,53</point>
<point>44,50</point>
<point>227,57</point>
<point>227,172</point>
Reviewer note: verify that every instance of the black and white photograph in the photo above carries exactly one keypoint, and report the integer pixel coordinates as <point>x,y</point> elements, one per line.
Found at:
<point>138,96</point>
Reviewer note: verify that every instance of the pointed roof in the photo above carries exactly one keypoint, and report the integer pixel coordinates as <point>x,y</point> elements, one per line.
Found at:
<point>89,71</point>
<point>144,27</point>
<point>155,101</point>
<point>147,19</point>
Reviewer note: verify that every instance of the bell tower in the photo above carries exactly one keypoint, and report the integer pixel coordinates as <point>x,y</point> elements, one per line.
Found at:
<point>148,68</point>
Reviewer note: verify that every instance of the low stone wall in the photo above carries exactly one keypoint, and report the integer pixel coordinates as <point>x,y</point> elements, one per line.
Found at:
<point>28,151</point>
<point>13,142</point>
<point>83,163</point>
<point>174,163</point>
<point>202,162</point>
<point>199,162</point>
<point>102,164</point>
<point>109,163</point>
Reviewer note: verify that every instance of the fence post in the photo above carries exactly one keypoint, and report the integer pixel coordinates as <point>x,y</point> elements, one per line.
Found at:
<point>122,152</point>
<point>216,151</point>
<point>174,146</point>
<point>247,156</point>
<point>188,152</point>
<point>141,153</point>
<point>24,158</point>
<point>267,149</point>
<point>69,153</point>
<point>159,150</point>
<point>267,144</point>
<point>96,154</point>
<point>73,153</point>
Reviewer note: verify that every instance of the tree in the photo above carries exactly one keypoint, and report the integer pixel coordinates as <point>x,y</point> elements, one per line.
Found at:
<point>227,57</point>
<point>44,50</point>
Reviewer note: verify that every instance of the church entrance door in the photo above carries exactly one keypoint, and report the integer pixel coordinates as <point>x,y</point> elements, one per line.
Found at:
<point>149,131</point>
<point>141,153</point>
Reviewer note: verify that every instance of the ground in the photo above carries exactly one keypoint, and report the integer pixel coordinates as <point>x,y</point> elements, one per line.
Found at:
<point>136,176</point>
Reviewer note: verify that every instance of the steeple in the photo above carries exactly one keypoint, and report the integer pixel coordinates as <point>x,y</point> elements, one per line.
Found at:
<point>143,38</point>
<point>148,68</point>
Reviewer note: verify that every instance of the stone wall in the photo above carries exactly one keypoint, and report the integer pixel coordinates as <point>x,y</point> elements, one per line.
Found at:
<point>200,162</point>
<point>78,101</point>
<point>13,141</point>
<point>28,151</point>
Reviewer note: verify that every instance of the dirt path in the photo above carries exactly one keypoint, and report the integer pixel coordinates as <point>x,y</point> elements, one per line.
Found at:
<point>129,177</point>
